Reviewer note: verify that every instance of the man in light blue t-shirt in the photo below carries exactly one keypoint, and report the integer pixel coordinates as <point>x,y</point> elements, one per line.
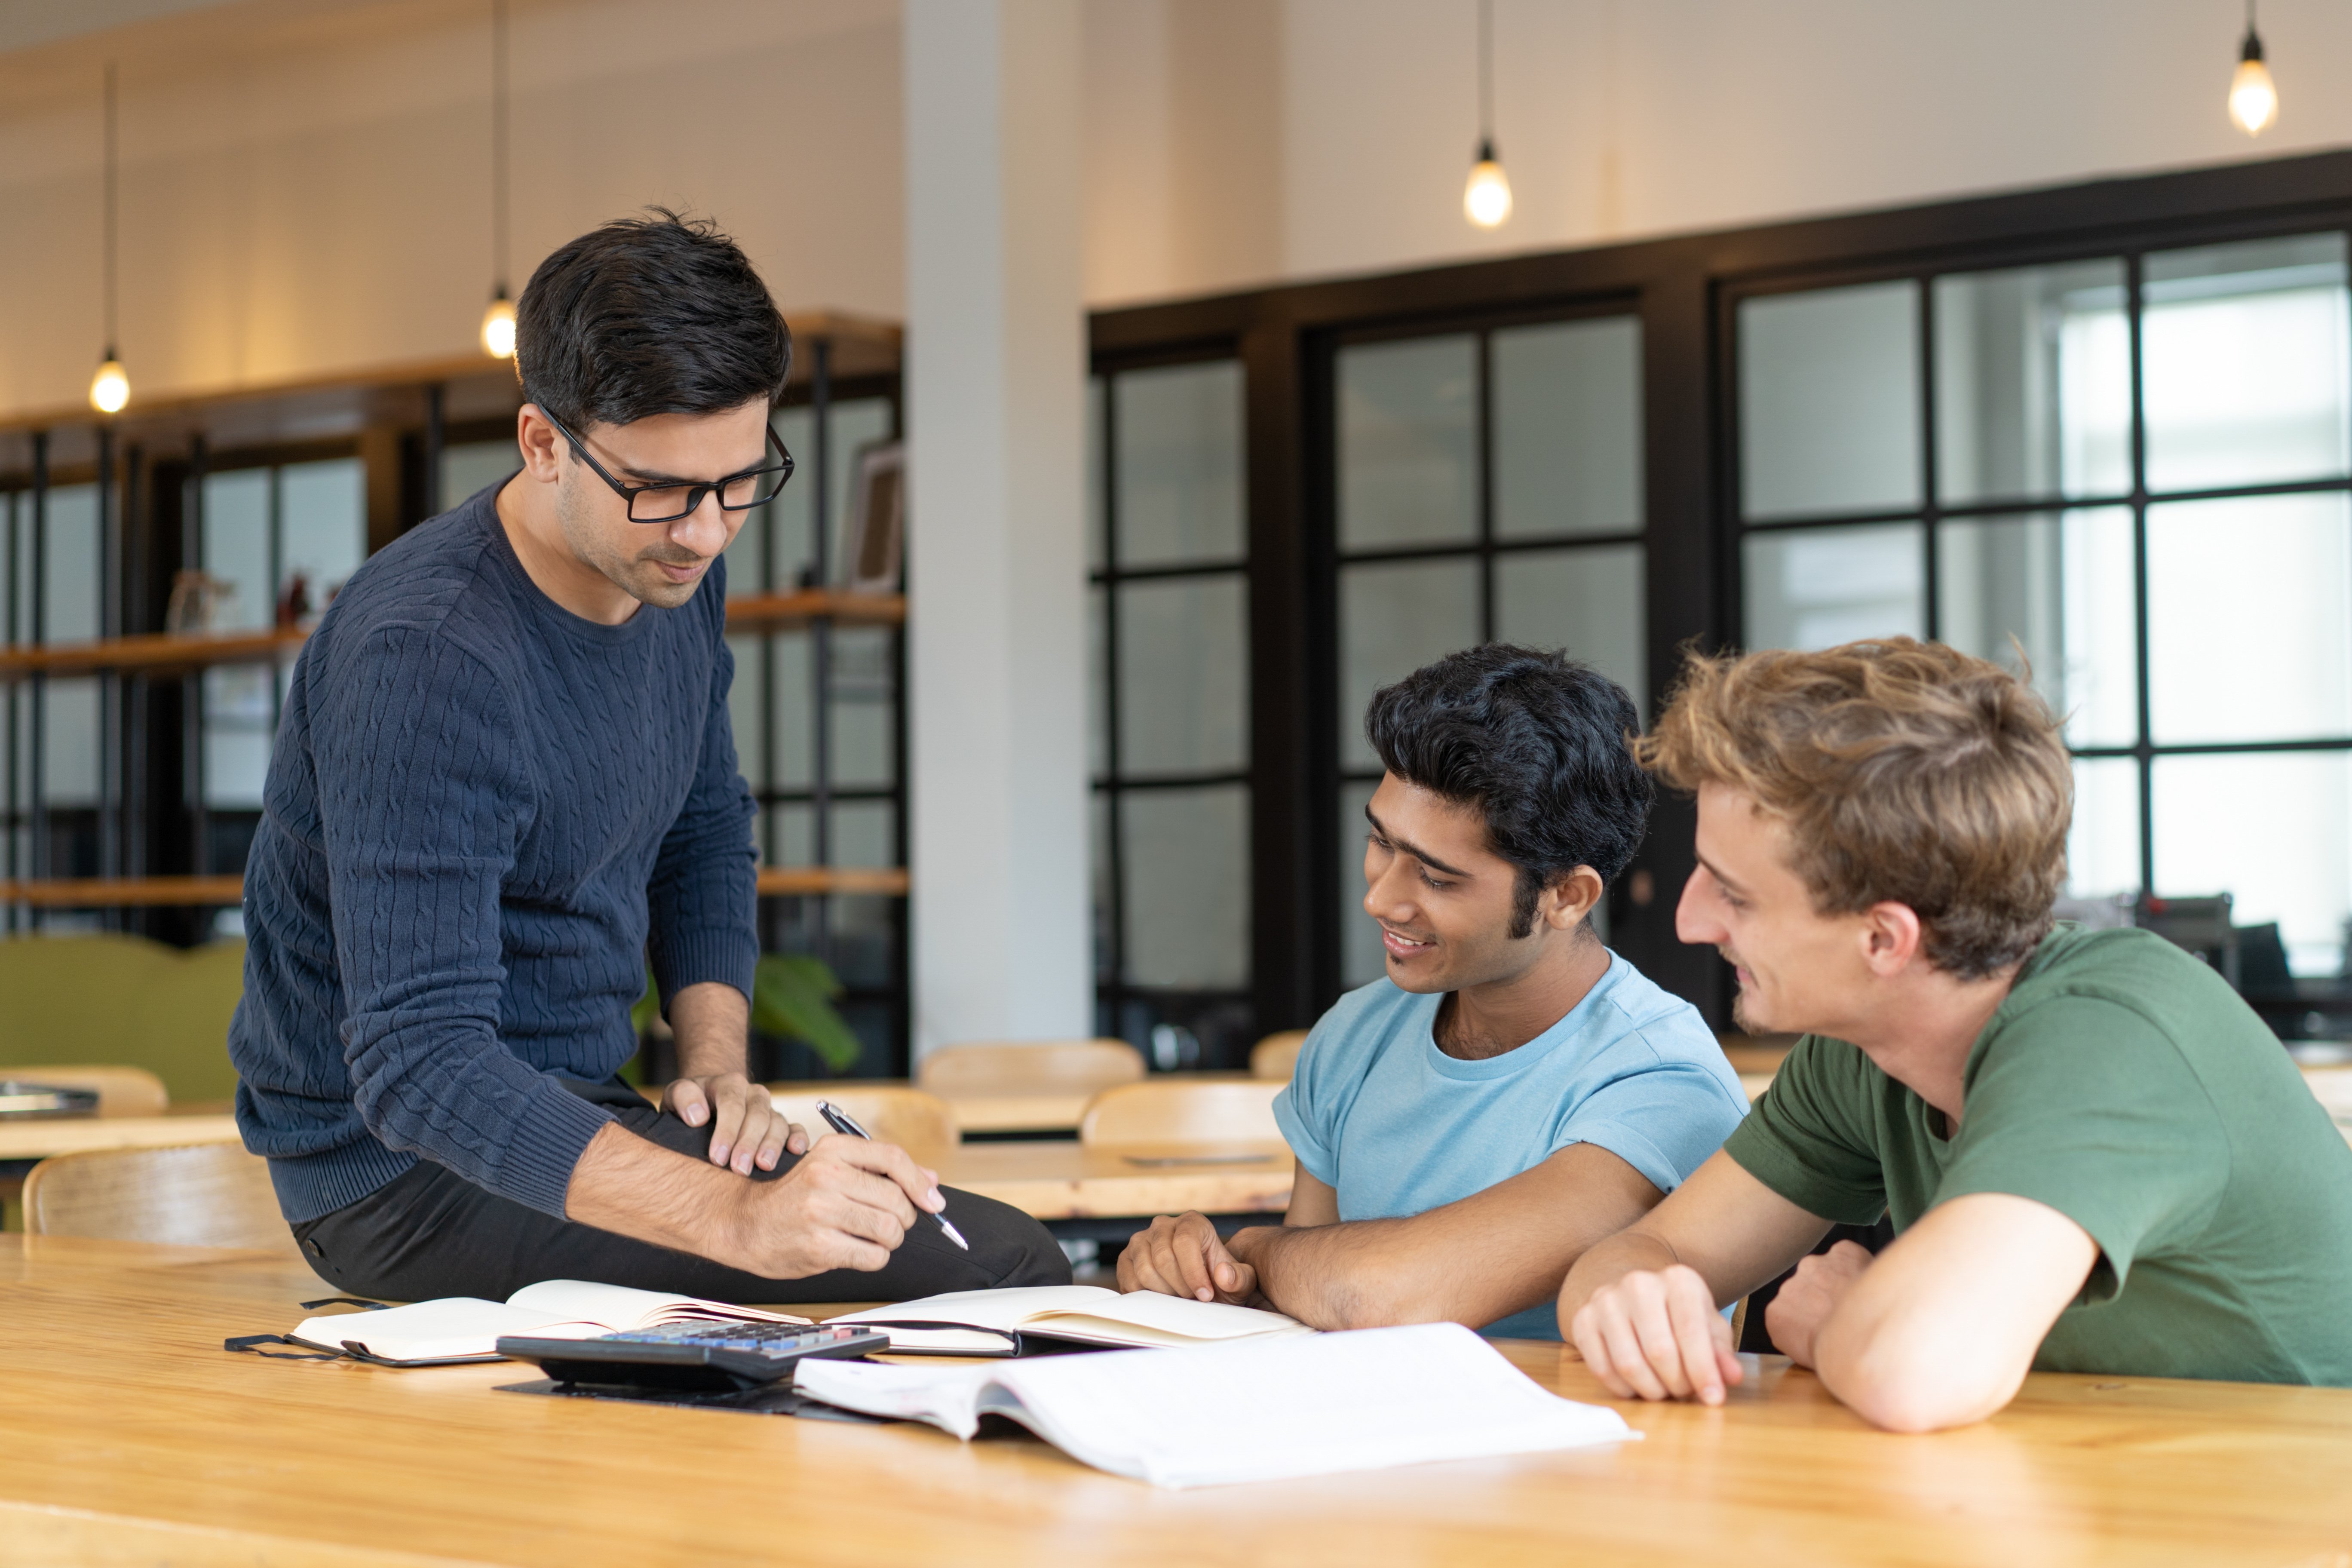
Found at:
<point>1512,1091</point>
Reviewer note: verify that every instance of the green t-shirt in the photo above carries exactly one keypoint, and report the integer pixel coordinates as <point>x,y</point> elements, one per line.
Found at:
<point>2124,1084</point>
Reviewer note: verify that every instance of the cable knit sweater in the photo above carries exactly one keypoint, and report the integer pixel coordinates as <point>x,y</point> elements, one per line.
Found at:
<point>480,809</point>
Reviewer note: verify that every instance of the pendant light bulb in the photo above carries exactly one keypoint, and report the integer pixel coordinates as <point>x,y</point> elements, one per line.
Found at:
<point>499,326</point>
<point>1487,199</point>
<point>2253,97</point>
<point>109,389</point>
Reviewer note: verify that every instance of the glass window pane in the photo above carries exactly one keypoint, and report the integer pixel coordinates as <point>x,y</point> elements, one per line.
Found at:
<point>1394,618</point>
<point>789,546</point>
<point>236,548</point>
<point>793,827</point>
<point>1098,819</point>
<point>747,554</point>
<point>70,742</point>
<point>1828,401</point>
<point>2060,585</point>
<point>1094,525</point>
<point>2274,830</point>
<point>1408,442</point>
<point>744,709</point>
<point>466,469</point>
<point>859,424</point>
<point>865,833</point>
<point>2246,355</point>
<point>70,580</point>
<point>1567,427</point>
<point>1187,894</point>
<point>1361,958</point>
<point>1183,673</point>
<point>2033,382</point>
<point>864,707</point>
<point>1180,465</point>
<point>2102,841</point>
<point>1098,682</point>
<point>1817,587</point>
<point>788,709</point>
<point>237,725</point>
<point>2250,619</point>
<point>324,515</point>
<point>1585,602</point>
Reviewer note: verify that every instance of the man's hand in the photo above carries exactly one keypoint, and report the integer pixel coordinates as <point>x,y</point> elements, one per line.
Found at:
<point>745,1129</point>
<point>847,1204</point>
<point>1812,1293</point>
<point>1182,1255</point>
<point>1656,1335</point>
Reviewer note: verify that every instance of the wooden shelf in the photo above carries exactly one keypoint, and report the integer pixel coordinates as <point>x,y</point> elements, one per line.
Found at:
<point>155,652</point>
<point>761,611</point>
<point>135,892</point>
<point>123,892</point>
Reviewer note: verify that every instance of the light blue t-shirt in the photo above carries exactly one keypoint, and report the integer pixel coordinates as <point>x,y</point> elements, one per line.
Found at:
<point>1396,1127</point>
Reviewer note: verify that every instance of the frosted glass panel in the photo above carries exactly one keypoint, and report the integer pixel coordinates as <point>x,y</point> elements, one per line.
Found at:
<point>2033,382</point>
<point>466,469</point>
<point>1816,588</point>
<point>1394,618</point>
<point>324,512</point>
<point>1567,427</point>
<point>1828,401</point>
<point>788,710</point>
<point>73,583</point>
<point>2247,360</point>
<point>236,546</point>
<point>1183,675</point>
<point>2060,585</point>
<point>1408,442</point>
<point>2250,619</point>
<point>856,425</point>
<point>1180,464</point>
<point>2102,841</point>
<point>237,723</point>
<point>1586,603</point>
<point>1188,897</point>
<point>2274,830</point>
<point>863,833</point>
<point>69,762</point>
<point>865,732</point>
<point>743,710</point>
<point>1362,960</point>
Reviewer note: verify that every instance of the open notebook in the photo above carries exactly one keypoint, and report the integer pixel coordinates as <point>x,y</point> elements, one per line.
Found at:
<point>1260,1410</point>
<point>987,1322</point>
<point>466,1328</point>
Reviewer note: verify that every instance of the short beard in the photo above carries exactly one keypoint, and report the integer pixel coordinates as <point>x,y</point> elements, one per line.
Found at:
<point>622,571</point>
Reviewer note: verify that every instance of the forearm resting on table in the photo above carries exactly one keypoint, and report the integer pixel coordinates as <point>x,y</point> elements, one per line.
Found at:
<point>1605,1262</point>
<point>632,1187</point>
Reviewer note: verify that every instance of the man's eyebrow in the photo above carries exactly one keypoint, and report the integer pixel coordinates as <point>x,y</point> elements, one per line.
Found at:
<point>1418,853</point>
<point>1714,872</point>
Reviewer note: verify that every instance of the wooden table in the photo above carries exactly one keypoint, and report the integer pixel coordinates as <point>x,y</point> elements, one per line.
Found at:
<point>1059,1181</point>
<point>39,1139</point>
<point>127,1434</point>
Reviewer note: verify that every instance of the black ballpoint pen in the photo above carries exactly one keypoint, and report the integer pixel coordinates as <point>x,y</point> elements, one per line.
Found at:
<point>841,1121</point>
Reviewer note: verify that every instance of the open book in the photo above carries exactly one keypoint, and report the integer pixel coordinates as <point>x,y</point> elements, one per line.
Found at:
<point>466,1328</point>
<point>986,1323</point>
<point>1260,1410</point>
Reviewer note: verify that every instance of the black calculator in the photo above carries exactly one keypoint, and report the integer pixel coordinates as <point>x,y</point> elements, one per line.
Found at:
<point>692,1356</point>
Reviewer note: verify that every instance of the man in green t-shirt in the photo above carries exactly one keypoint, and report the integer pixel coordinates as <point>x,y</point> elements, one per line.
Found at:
<point>2095,1157</point>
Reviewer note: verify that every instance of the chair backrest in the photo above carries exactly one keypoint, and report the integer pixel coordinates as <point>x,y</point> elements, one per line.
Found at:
<point>1277,1056</point>
<point>201,1195</point>
<point>1024,1067</point>
<point>923,1124</point>
<point>1171,1110</point>
<point>122,1092</point>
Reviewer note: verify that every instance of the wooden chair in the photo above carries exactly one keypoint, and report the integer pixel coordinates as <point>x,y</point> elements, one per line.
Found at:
<point>1171,1110</point>
<point>921,1123</point>
<point>1029,1067</point>
<point>122,1092</point>
<point>201,1195</point>
<point>1277,1056</point>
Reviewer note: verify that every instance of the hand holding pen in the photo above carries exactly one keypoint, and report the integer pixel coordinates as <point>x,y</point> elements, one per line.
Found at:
<point>841,1121</point>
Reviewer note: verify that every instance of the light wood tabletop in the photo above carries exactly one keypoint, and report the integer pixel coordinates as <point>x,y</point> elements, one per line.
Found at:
<point>42,1137</point>
<point>127,1434</point>
<point>1069,1180</point>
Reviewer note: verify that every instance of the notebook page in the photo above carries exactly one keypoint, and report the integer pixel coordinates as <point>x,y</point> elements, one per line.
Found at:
<point>619,1307</point>
<point>428,1331</point>
<point>1175,1316</point>
<point>1137,1317</point>
<point>946,1397</point>
<point>1271,1409</point>
<point>992,1309</point>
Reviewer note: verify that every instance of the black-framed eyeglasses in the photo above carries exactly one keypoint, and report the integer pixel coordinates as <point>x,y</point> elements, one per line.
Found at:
<point>667,503</point>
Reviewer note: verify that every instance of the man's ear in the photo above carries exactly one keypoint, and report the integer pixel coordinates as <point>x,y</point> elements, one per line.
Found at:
<point>1571,899</point>
<point>539,442</point>
<point>1892,937</point>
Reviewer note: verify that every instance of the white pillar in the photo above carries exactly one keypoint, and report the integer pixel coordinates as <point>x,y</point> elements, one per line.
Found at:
<point>996,567</point>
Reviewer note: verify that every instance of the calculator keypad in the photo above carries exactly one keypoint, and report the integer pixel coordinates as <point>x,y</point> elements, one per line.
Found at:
<point>775,1339</point>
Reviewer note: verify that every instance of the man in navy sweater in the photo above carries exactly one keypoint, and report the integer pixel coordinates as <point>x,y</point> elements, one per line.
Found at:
<point>504,778</point>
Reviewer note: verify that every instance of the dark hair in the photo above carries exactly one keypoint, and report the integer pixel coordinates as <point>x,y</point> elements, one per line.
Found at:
<point>657,314</point>
<point>1536,743</point>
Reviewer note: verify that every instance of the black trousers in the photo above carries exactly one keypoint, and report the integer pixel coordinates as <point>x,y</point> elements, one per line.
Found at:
<point>431,1233</point>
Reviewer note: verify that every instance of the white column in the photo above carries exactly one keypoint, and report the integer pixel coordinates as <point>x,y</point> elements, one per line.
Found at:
<point>995,412</point>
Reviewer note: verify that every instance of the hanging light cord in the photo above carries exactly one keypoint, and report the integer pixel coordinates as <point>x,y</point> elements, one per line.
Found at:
<point>108,228</point>
<point>498,142</point>
<point>1487,71</point>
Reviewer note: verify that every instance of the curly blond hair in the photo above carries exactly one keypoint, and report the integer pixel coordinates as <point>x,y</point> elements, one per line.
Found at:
<point>1904,771</point>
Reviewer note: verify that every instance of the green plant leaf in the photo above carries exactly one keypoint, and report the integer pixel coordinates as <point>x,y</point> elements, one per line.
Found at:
<point>791,999</point>
<point>642,1016</point>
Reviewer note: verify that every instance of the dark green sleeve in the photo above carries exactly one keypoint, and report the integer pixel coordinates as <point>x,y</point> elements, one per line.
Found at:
<point>1809,1138</point>
<point>2084,1105</point>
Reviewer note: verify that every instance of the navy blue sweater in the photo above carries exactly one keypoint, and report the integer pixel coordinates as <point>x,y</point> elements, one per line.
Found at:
<point>479,808</point>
